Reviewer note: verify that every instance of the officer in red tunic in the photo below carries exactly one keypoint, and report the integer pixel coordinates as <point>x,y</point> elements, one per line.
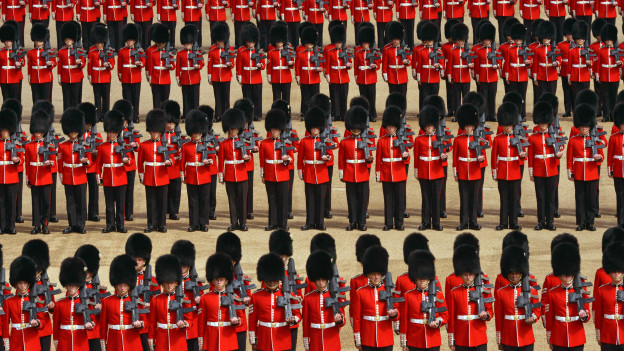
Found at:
<point>365,67</point>
<point>608,307</point>
<point>307,71</point>
<point>250,61</point>
<point>174,188</point>
<point>11,69</point>
<point>100,64</point>
<point>564,320</point>
<point>40,75</point>
<point>188,71</point>
<point>279,63</point>
<point>9,161</point>
<point>609,65</point>
<point>220,68</point>
<point>394,65</point>
<point>615,160</point>
<point>362,243</point>
<point>129,67</point>
<point>578,67</point>
<point>544,69</point>
<point>158,66</point>
<point>70,66</point>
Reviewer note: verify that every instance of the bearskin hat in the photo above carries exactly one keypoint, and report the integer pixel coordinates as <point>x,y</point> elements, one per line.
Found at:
<point>514,259</point>
<point>333,23</point>
<point>448,28</point>
<point>156,121</point>
<point>518,31</point>
<point>430,31</point>
<point>278,33</point>
<point>429,115</point>
<point>209,111</point>
<point>460,32</point>
<point>395,30</point>
<point>515,98</point>
<point>73,272</point>
<point>39,251</point>
<point>184,250</point>
<point>275,119</point>
<point>542,113</point>
<point>466,239</point>
<point>173,110</point>
<point>8,120</point>
<point>220,31</point>
<point>233,118</point>
<point>509,22</point>
<point>38,32</point>
<point>160,33</point>
<point>437,102</point>
<point>364,242</point>
<point>421,265</point>
<point>315,118</point>
<point>487,31</point>
<point>584,116</point>
<point>168,269</point>
<point>466,260</point>
<point>249,33</point>
<point>618,114</point>
<point>283,106</point>
<point>392,117</point>
<point>361,101</point>
<point>247,106</point>
<point>125,107</point>
<point>609,32</point>
<point>89,111</point>
<point>8,32</point>
<point>476,99</point>
<point>612,259</point>
<point>309,36</point>
<point>91,256</point>
<point>23,268</point>
<point>534,26</point>
<point>375,260</point>
<point>366,34</point>
<point>324,242</point>
<point>580,29</point>
<point>414,241</point>
<point>356,118</point>
<point>477,29</point>
<point>122,270</point>
<point>587,96</point>
<point>99,33</point>
<point>467,114</point>
<point>338,34</point>
<point>507,114</point>
<point>304,25</point>
<point>280,243</point>
<point>219,265</point>
<point>553,100</point>
<point>230,244</point>
<point>516,238</point>
<point>319,266</point>
<point>195,122</point>
<point>39,122</point>
<point>565,260</point>
<point>113,121</point>
<point>419,29</point>
<point>546,30</point>
<point>321,101</point>
<point>139,245</point>
<point>73,121</point>
<point>188,34</point>
<point>596,27</point>
<point>270,268</point>
<point>14,105</point>
<point>611,235</point>
<point>397,99</point>
<point>568,26</point>
<point>563,238</point>
<point>131,31</point>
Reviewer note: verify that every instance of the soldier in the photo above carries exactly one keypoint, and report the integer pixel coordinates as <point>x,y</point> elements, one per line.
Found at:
<point>114,15</point>
<point>611,235</point>
<point>192,14</point>
<point>366,67</point>
<point>281,244</point>
<point>249,66</point>
<point>313,14</point>
<point>174,188</point>
<point>11,70</point>
<point>308,68</point>
<point>579,68</point>
<point>544,69</point>
<point>240,16</point>
<point>322,242</point>
<point>265,12</point>
<point>70,66</point>
<point>362,243</point>
<point>159,69</point>
<point>39,68</point>
<point>188,70</point>
<point>609,67</point>
<point>596,28</point>
<point>457,67</point>
<point>551,280</point>
<point>213,168</point>
<point>426,70</point>
<point>279,63</point>
<point>88,12</point>
<point>485,69</point>
<point>133,139</point>
<point>167,15</point>
<point>285,107</point>
<point>9,163</point>
<point>220,68</point>
<point>607,307</point>
<point>615,165</point>
<point>453,280</point>
<point>516,64</point>
<point>142,14</point>
<point>16,106</point>
<point>336,71</point>
<point>564,47</point>
<point>289,12</point>
<point>91,256</point>
<point>89,110</point>
<point>129,67</point>
<point>99,67</point>
<point>394,64</point>
<point>412,242</point>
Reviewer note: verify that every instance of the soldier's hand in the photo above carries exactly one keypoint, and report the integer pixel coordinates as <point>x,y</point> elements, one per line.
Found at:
<point>530,320</point>
<point>34,322</point>
<point>246,158</point>
<point>500,347</point>
<point>583,314</point>
<point>49,63</point>
<point>483,315</point>
<point>285,158</point>
<point>435,324</point>
<point>523,154</point>
<point>48,163</point>
<point>598,157</point>
<point>481,158</point>
<point>15,160</point>
<point>206,162</point>
<point>235,321</point>
<point>181,324</point>
<point>373,66</point>
<point>125,160</point>
<point>393,313</point>
<point>84,160</point>
<point>137,324</point>
<point>443,157</point>
<point>359,347</point>
<point>255,348</point>
<point>247,300</point>
<point>532,178</point>
<point>325,158</point>
<point>168,163</point>
<point>405,154</point>
<point>291,320</point>
<point>338,317</point>
<point>89,325</point>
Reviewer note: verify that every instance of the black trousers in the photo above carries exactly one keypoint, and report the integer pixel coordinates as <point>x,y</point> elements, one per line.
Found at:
<point>425,90</point>
<point>480,191</point>
<point>609,92</point>
<point>488,90</point>
<point>145,32</point>
<point>469,201</point>
<point>237,192</point>
<point>198,25</point>
<point>93,208</point>
<point>199,202</point>
<point>115,198</point>
<point>394,203</point>
<point>369,91</point>
<point>277,194</point>
<point>86,33</point>
<point>254,93</point>
<point>114,33</point>
<point>72,94</point>
<point>558,22</point>
<point>544,87</point>
<point>328,193</point>
<point>319,30</point>
<point>575,88</point>
<point>501,21</point>
<point>242,340</point>
<point>408,24</point>
<point>619,192</point>
<point>291,182</point>
<point>521,348</point>
<point>372,348</point>
<point>11,90</point>
<point>174,192</point>
<point>473,348</point>
<point>563,348</point>
<point>156,197</point>
<point>521,88</point>
<point>437,348</point>
<point>20,194</point>
<point>293,33</point>
<point>264,26</point>
<point>459,91</point>
<point>315,203</point>
<point>160,94</point>
<point>190,98</point>
<point>430,193</point>
<point>529,24</point>
<point>45,341</point>
<point>397,88</point>
<point>339,94</point>
<point>357,201</point>
<point>41,91</point>
<point>584,195</point>
<point>307,92</point>
<point>598,90</point>
<point>129,208</point>
<point>192,344</point>
<point>76,204</point>
<point>611,347</point>
<point>95,345</point>
<point>450,100</point>
<point>507,190</point>
<point>238,25</point>
<point>59,39</point>
<point>40,204</point>
<point>132,93</point>
<point>250,186</point>
<point>568,96</point>
<point>293,335</point>
<point>213,194</point>
<point>101,97</point>
<point>557,177</point>
<point>443,190</point>
<point>545,195</point>
<point>8,200</point>
<point>144,342</point>
<point>53,196</point>
<point>475,24</point>
<point>222,98</point>
<point>381,34</point>
<point>281,91</point>
<point>171,25</point>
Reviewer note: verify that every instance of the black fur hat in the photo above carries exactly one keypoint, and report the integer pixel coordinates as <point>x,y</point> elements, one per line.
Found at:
<point>270,268</point>
<point>91,256</point>
<point>448,28</point>
<point>375,260</point>
<point>430,31</point>
<point>247,106</point>
<point>113,121</point>
<point>14,105</point>
<point>466,260</point>
<point>275,119</point>
<point>546,30</point>
<point>466,239</point>
<point>284,106</point>
<point>542,113</point>
<point>184,250</point>
<point>315,118</point>
<point>319,266</point>
<point>414,241</point>
<point>168,269</point>
<point>487,31</point>
<point>38,32</point>
<point>122,270</point>
<point>587,96</point>
<point>23,268</point>
<point>39,122</point>
<point>219,265</point>
<point>477,29</point>
<point>73,121</point>
<point>392,117</point>
<point>421,265</point>
<point>99,33</point>
<point>563,238</point>
<point>596,27</point>
<point>467,114</point>
<point>553,100</point>
<point>173,110</point>
<point>517,238</point>
<point>73,272</point>
<point>278,33</point>
<point>8,120</point>
<point>156,121</point>
<point>395,30</point>
<point>45,106</point>
<point>518,31</point>
<point>324,242</point>
<point>534,26</point>
<point>618,114</point>
<point>160,33</point>
<point>220,31</point>
<point>333,23</point>
<point>209,111</point>
<point>611,235</point>
<point>280,243</point>
<point>125,107</point>
<point>419,29</point>
<point>612,258</point>
<point>39,251</point>
<point>308,36</point>
<point>429,115</point>
<point>568,26</point>
<point>359,101</point>
<point>70,30</point>
<point>249,33</point>
<point>476,99</point>
<point>303,25</point>
<point>507,114</point>
<point>460,32</point>
<point>321,101</point>
<point>565,260</point>
<point>514,259</point>
<point>229,243</point>
<point>584,116</point>
<point>131,31</point>
<point>509,22</point>
<point>366,34</point>
<point>89,111</point>
<point>609,32</point>
<point>195,122</point>
<point>233,118</point>
<point>338,34</point>
<point>188,34</point>
<point>139,245</point>
<point>515,98</point>
<point>437,102</point>
<point>364,242</point>
<point>579,30</point>
<point>356,118</point>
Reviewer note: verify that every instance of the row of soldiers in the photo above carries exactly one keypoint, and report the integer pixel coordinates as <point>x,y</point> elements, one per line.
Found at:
<point>177,310</point>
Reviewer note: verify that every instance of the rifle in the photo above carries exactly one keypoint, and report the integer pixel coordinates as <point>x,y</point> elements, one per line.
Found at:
<point>177,305</point>
<point>242,145</point>
<point>524,51</point>
<point>168,55</point>
<point>552,53</point>
<point>14,145</point>
<point>83,306</point>
<point>388,294</point>
<point>479,137</point>
<point>31,306</point>
<point>4,288</point>
<point>345,54</point>
<point>81,147</point>
<point>520,139</point>
<point>207,146</point>
<point>229,299</point>
<point>288,52</point>
<point>443,142</point>
<point>429,305</point>
<point>122,149</point>
<point>250,135</point>
<point>577,296</point>
<point>433,55</point>
<point>292,276</point>
<point>45,150</point>
<point>524,300</point>
<point>316,57</point>
<point>145,288</point>
<point>403,134</point>
<point>107,53</point>
<point>285,144</point>
<point>258,56</point>
<point>404,51</point>
<point>136,52</point>
<point>97,296</point>
<point>193,284</point>
<point>373,55</point>
<point>620,296</point>
<point>285,300</point>
<point>227,54</point>
<point>92,140</point>
<point>366,136</point>
<point>195,55</point>
<point>240,280</point>
<point>45,286</point>
<point>132,306</point>
<point>594,140</point>
<point>17,53</point>
<point>48,53</point>
<point>585,51</point>
<point>492,54</point>
<point>51,137</point>
<point>178,138</point>
<point>321,3</point>
<point>466,54</point>
<point>476,295</point>
<point>77,51</point>
<point>131,133</point>
<point>336,293</point>
<point>164,150</point>
<point>555,137</point>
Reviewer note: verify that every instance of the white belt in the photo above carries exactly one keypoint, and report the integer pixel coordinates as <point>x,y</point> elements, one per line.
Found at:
<point>167,7</point>
<point>556,2</point>
<point>460,66</point>
<point>582,2</point>
<point>220,65</point>
<point>418,321</point>
<point>308,68</point>
<point>99,68</point>
<point>361,8</point>
<point>242,6</point>
<point>583,159</point>
<point>154,164</point>
<point>20,326</point>
<point>533,5</point>
<point>430,158</point>
<point>118,7</point>
<point>272,325</point>
<point>128,66</point>
<point>194,164</point>
<point>337,7</point>
<point>566,319</point>
<point>63,6</point>
<point>383,8</point>
<point>160,68</point>
<point>167,326</point>
<point>468,159</point>
<point>72,327</point>
<point>544,156</point>
<point>546,64</point>
<point>120,326</point>
<point>364,67</point>
<point>452,3</point>
<point>13,7</point>
<point>605,2</point>
<point>291,9</point>
<point>6,163</point>
<point>250,68</point>
<point>487,65</point>
<point>112,165</point>
<point>375,318</point>
<point>72,165</point>
<point>578,66</point>
<point>218,324</point>
<point>8,67</point>
<point>280,67</point>
<point>191,7</point>
<point>479,3</point>
<point>506,2</point>
<point>38,67</point>
<point>618,157</point>
<point>87,8</point>
<point>609,66</point>
<point>515,317</point>
<point>356,161</point>
<point>141,6</point>
<point>564,60</point>
<point>266,6</point>
<point>187,68</point>
<point>221,7</point>
<point>273,162</point>
<point>392,159</point>
<point>316,10</point>
<point>396,66</point>
<point>338,67</point>
<point>37,6</point>
<point>233,162</point>
<point>614,316</point>
<point>508,159</point>
<point>322,325</point>
<point>517,64</point>
<point>37,164</point>
<point>313,162</point>
<point>468,317</point>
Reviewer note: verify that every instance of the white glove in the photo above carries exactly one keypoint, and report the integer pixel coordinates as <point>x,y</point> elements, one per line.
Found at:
<point>416,173</point>
<point>300,172</point>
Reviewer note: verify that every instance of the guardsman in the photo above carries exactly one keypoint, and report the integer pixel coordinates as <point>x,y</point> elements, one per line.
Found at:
<point>40,75</point>
<point>486,68</point>
<point>192,14</point>
<point>615,158</point>
<point>281,244</point>
<point>99,67</point>
<point>313,13</point>
<point>213,167</point>
<point>425,69</point>
<point>241,15</point>
<point>157,68</point>
<point>265,12</point>
<point>188,71</point>
<point>11,69</point>
<point>516,66</point>
<point>365,67</point>
<point>38,13</point>
<point>551,281</point>
<point>337,71</point>
<point>394,65</point>
<point>125,107</point>
<point>307,71</point>
<point>166,14</point>
<point>88,13</point>
<point>406,14</point>
<point>249,68</point>
<point>219,68</point>
<point>564,47</point>
<point>279,66</point>
<point>39,171</point>
<point>453,280</point>
<point>14,11</point>
<point>215,12</point>
<point>446,51</point>
<point>596,28</point>
<point>411,243</point>
<point>91,256</point>
<point>382,12</point>
<point>142,14</point>
<point>248,109</point>
<point>321,242</point>
<point>153,163</point>
<point>290,13</point>
<point>362,243</point>
<point>478,11</point>
<point>544,68</point>
<point>62,12</point>
<point>129,67</point>
<point>504,49</point>
<point>610,65</point>
<point>607,308</point>
<point>578,67</point>
<point>174,189</point>
<point>611,235</point>
<point>285,107</point>
<point>360,14</point>
<point>70,66</point>
<point>530,12</point>
<point>514,238</point>
<point>457,67</point>
<point>9,163</point>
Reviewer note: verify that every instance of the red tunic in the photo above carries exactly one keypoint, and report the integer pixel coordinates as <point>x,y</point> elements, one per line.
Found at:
<point>116,325</point>
<point>218,71</point>
<point>186,73</point>
<point>608,70</point>
<point>615,155</point>
<point>389,166</point>
<point>555,8</point>
<point>362,71</point>
<point>231,164</point>
<point>37,173</point>
<point>503,8</point>
<point>87,11</point>
<point>424,65</point>
<point>96,71</point>
<point>543,67</point>
<point>69,330</point>
<point>506,158</point>
<point>68,70</point>
<point>289,11</point>
<point>563,326</point>
<point>38,71</point>
<point>140,11</point>
<point>484,67</point>
<point>578,68</point>
<point>63,10</point>
<point>278,69</point>
<point>427,160</point>
<point>156,67</point>
<point>8,169</point>
<point>608,313</point>
<point>580,161</point>
<point>38,11</point>
<point>371,324</point>
<point>530,9</point>
<point>337,11</point>
<point>580,8</point>
<point>162,324</point>
<point>114,10</point>
<point>240,10</point>
<point>309,161</point>
<point>72,170</point>
<point>268,329</point>
<point>478,8</point>
<point>542,157</point>
<point>336,68</point>
<point>192,166</point>
<point>393,70</point>
<point>456,66</point>
<point>215,9</point>
<point>454,8</point>
<point>313,12</point>
<point>151,164</point>
<point>166,11</point>
<point>266,10</point>
<point>465,163</point>
<point>360,11</point>
<point>271,165</point>
<point>247,70</point>
<point>16,325</point>
<point>12,10</point>
<point>515,69</point>
<point>320,331</point>
<point>415,332</point>
<point>382,11</point>
<point>110,167</point>
<point>511,329</point>
<point>9,72</point>
<point>305,70</point>
<point>352,164</point>
<point>465,328</point>
<point>127,69</point>
<point>214,323</point>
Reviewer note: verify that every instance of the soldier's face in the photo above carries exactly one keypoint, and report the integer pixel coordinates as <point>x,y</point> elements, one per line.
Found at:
<point>154,135</point>
<point>5,134</point>
<point>468,278</point>
<point>580,42</point>
<point>609,42</point>
<point>365,45</point>
<point>396,42</point>
<point>38,136</point>
<point>422,283</point>
<point>514,277</point>
<point>111,135</point>
<point>250,44</point>
<point>487,42</point>
<point>185,270</point>
<point>275,133</point>
<point>508,129</point>
<point>616,277</point>
<point>468,130</point>
<point>518,41</point>
<point>170,286</point>
<point>219,283</point>
<point>546,41</point>
<point>161,45</point>
<point>429,129</point>
<point>315,131</point>
<point>309,45</point>
<point>72,290</point>
<point>460,42</point>
<point>272,285</point>
<point>391,129</point>
<point>356,132</point>
<point>22,287</point>
<point>188,46</point>
<point>375,278</point>
<point>38,44</point>
<point>220,44</point>
<point>232,133</point>
<point>279,44</point>
<point>170,126</point>
<point>569,37</point>
<point>584,130</point>
<point>99,46</point>
<point>130,43</point>
<point>122,289</point>
<point>285,259</point>
<point>321,284</point>
<point>73,135</point>
<point>428,42</point>
<point>543,127</point>
<point>566,280</point>
<point>8,43</point>
<point>196,136</point>
<point>140,263</point>
<point>68,42</point>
